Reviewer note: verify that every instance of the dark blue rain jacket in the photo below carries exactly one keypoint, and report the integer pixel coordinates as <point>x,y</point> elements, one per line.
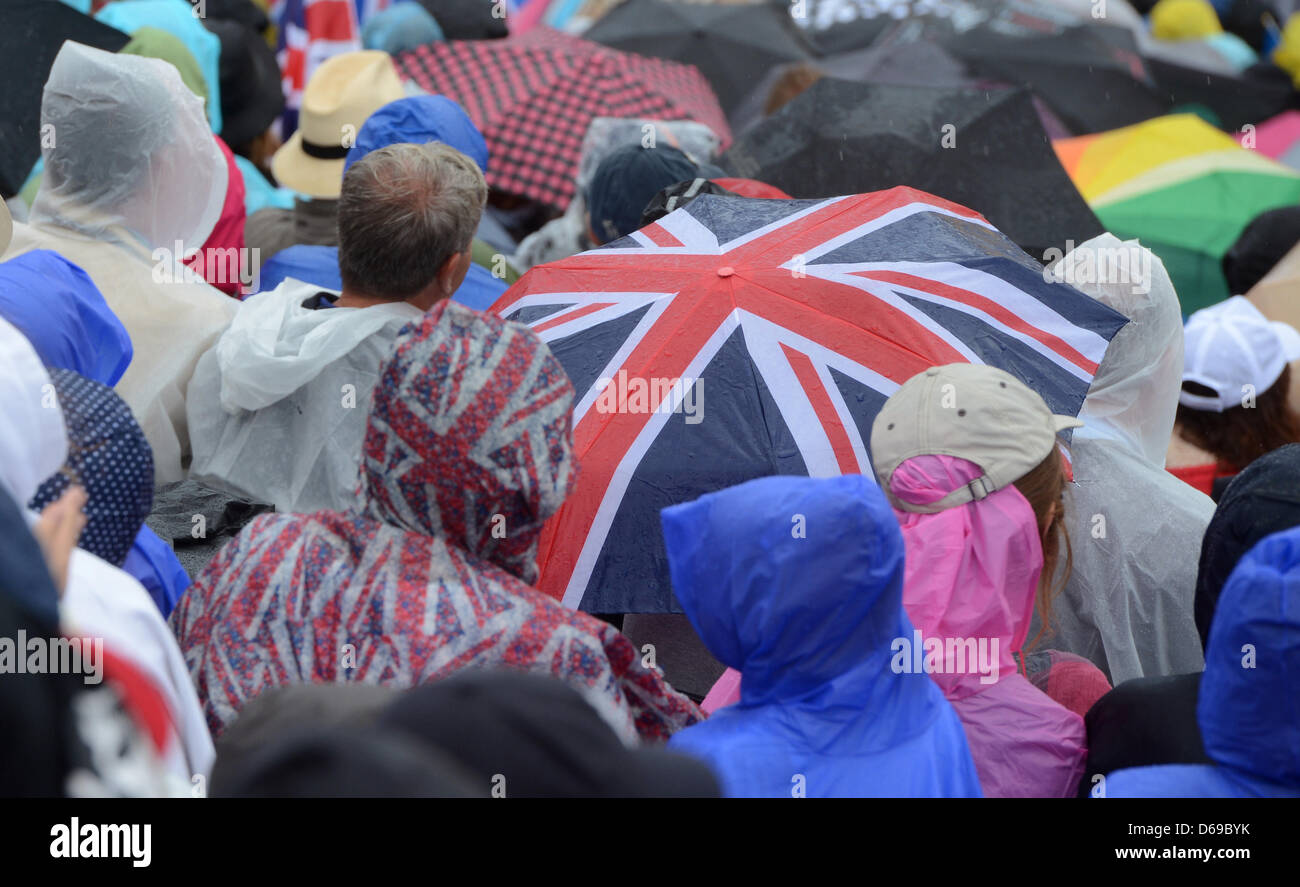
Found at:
<point>1249,706</point>
<point>798,583</point>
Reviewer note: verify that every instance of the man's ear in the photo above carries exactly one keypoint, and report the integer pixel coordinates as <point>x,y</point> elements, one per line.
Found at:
<point>452,273</point>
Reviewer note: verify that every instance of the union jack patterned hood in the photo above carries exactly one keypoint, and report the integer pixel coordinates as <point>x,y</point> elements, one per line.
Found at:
<point>471,437</point>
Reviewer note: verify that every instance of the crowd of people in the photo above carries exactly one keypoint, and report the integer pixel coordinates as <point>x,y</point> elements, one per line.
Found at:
<point>278,483</point>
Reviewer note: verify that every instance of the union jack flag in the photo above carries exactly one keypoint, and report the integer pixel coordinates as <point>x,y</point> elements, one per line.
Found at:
<point>738,338</point>
<point>311,33</point>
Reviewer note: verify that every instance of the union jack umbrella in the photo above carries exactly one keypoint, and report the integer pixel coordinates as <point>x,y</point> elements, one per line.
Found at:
<point>737,338</point>
<point>534,96</point>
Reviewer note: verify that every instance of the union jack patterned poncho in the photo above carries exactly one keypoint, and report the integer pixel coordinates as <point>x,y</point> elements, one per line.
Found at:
<point>468,450</point>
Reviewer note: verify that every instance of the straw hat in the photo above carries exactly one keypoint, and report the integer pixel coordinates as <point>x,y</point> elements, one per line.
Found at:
<point>343,92</point>
<point>6,227</point>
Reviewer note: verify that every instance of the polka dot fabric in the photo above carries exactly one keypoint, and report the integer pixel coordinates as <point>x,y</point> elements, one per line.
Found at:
<point>109,456</point>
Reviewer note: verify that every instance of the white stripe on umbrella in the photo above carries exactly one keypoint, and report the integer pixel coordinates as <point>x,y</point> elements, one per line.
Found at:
<point>613,498</point>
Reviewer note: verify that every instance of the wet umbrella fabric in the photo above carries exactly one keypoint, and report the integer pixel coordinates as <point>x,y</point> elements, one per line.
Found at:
<point>468,19</point>
<point>33,33</point>
<point>534,97</point>
<point>983,149</point>
<point>1182,187</point>
<point>738,338</point>
<point>1233,101</point>
<point>733,46</point>
<point>905,64</point>
<point>1088,80</point>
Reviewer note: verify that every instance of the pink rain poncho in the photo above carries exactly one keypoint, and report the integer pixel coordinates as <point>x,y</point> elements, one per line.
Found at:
<point>972,572</point>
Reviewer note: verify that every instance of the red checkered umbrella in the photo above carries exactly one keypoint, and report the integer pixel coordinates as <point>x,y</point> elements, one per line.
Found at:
<point>534,96</point>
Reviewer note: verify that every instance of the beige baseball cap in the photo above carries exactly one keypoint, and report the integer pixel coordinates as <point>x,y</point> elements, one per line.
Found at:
<point>974,412</point>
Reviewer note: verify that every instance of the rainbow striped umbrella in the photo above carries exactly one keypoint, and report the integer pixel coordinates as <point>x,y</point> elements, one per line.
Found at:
<point>1182,187</point>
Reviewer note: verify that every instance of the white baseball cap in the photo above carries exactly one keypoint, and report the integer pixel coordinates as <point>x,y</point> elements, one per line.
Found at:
<point>1230,346</point>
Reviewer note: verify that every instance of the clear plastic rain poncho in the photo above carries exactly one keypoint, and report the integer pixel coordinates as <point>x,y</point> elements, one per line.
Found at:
<point>116,168</point>
<point>131,169</point>
<point>1135,530</point>
<point>277,409</point>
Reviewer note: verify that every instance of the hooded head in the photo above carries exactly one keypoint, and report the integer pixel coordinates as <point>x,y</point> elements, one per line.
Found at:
<point>627,180</point>
<point>129,155</point>
<point>1262,500</point>
<point>420,120</point>
<point>1134,394</point>
<point>1249,707</point>
<point>470,436</point>
<point>793,581</point>
<point>399,28</point>
<point>976,505</point>
<point>33,443</point>
<point>70,325</point>
<point>1184,20</point>
<point>109,457</point>
<point>543,735</point>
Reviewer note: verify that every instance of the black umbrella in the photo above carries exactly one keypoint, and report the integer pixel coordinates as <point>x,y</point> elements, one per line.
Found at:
<point>1235,101</point>
<point>833,26</point>
<point>733,46</point>
<point>1087,78</point>
<point>982,149</point>
<point>905,64</point>
<point>468,19</point>
<point>33,32</point>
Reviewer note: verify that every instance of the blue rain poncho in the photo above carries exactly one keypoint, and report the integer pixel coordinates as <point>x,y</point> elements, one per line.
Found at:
<point>798,583</point>
<point>63,314</point>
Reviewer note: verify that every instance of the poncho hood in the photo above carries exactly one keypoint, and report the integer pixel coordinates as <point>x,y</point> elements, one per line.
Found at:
<point>134,161</point>
<point>792,586</point>
<point>1249,706</point>
<point>972,570</point>
<point>275,345</point>
<point>470,437</point>
<point>1134,395</point>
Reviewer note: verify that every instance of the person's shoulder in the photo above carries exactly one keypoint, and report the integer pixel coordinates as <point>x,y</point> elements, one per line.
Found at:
<point>1025,711</point>
<point>102,598</point>
<point>1172,781</point>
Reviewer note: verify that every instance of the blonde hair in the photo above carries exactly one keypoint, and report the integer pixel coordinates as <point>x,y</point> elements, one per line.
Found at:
<point>1043,486</point>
